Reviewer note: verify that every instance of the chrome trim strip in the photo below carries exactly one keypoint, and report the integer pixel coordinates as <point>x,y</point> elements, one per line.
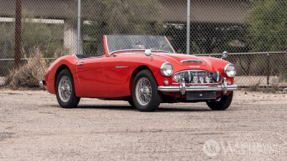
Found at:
<point>191,61</point>
<point>198,84</point>
<point>136,50</point>
<point>193,70</point>
<point>79,64</point>
<point>119,67</point>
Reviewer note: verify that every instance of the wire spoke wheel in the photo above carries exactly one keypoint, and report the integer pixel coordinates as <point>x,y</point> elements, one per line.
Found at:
<point>143,91</point>
<point>65,88</point>
<point>145,96</point>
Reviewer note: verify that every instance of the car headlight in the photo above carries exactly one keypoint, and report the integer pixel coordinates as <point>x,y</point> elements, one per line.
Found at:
<point>166,69</point>
<point>230,70</point>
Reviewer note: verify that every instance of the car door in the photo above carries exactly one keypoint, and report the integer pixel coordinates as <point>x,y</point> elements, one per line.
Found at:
<point>117,73</point>
<point>91,77</point>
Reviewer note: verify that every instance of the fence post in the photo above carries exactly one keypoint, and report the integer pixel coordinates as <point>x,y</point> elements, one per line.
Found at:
<point>18,35</point>
<point>268,67</point>
<point>79,28</point>
<point>188,29</point>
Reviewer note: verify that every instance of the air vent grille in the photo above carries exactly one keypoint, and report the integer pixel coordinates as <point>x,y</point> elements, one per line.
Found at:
<point>191,61</point>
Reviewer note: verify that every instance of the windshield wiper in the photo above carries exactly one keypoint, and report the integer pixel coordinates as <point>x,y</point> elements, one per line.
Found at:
<point>135,45</point>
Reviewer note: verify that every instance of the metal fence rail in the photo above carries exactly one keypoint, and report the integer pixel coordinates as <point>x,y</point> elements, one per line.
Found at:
<point>7,65</point>
<point>261,68</point>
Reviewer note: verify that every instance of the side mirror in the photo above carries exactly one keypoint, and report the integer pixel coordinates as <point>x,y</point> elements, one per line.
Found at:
<point>224,55</point>
<point>147,52</point>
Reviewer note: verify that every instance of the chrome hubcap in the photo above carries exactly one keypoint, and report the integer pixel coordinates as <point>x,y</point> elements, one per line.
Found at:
<point>65,88</point>
<point>143,91</point>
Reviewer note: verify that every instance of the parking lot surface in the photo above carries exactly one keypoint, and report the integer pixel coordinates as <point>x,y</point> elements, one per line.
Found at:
<point>34,127</point>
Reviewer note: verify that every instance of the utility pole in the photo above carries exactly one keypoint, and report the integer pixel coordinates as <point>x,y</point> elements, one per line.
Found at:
<point>79,28</point>
<point>188,29</point>
<point>18,35</point>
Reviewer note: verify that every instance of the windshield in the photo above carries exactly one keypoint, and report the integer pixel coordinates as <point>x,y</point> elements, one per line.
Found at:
<point>117,43</point>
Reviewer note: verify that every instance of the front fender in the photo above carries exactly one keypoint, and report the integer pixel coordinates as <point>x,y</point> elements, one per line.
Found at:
<point>63,62</point>
<point>218,65</point>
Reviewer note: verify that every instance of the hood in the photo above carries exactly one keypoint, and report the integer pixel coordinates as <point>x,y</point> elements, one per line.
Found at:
<point>181,59</point>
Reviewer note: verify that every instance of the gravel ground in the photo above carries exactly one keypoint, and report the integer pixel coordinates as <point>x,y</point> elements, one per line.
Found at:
<point>34,127</point>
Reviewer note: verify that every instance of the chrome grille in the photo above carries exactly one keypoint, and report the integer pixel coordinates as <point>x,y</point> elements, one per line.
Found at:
<point>199,76</point>
<point>204,75</point>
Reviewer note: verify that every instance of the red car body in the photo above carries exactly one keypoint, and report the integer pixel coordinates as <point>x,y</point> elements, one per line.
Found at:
<point>111,76</point>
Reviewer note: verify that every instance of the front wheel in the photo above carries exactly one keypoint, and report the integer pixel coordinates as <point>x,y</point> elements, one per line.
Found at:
<point>221,104</point>
<point>145,95</point>
<point>131,103</point>
<point>65,90</point>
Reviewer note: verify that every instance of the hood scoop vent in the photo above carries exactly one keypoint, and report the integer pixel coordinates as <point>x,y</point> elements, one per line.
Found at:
<point>191,61</point>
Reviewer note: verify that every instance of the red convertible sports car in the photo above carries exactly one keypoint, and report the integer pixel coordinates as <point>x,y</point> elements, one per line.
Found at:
<point>143,70</point>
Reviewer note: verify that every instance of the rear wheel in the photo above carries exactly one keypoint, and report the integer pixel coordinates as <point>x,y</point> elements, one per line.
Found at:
<point>65,90</point>
<point>221,104</point>
<point>145,95</point>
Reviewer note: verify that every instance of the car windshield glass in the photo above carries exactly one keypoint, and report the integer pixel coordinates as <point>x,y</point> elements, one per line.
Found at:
<point>117,43</point>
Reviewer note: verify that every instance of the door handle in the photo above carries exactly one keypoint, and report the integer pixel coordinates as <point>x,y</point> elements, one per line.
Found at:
<point>80,64</point>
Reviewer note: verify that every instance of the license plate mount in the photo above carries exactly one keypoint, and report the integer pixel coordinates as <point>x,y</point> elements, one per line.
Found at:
<point>200,95</point>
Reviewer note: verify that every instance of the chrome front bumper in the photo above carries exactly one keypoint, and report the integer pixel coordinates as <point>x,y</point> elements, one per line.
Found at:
<point>182,88</point>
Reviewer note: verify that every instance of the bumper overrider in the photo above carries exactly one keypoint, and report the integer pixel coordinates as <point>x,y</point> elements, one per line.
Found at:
<point>42,83</point>
<point>182,88</point>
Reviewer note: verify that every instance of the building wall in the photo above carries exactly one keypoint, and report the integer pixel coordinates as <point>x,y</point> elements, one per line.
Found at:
<point>202,11</point>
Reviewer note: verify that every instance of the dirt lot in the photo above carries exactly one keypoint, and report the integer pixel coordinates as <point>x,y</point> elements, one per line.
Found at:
<point>34,127</point>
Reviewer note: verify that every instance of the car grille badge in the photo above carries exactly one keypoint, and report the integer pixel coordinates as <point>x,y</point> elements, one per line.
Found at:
<point>201,80</point>
<point>195,79</point>
<point>207,79</point>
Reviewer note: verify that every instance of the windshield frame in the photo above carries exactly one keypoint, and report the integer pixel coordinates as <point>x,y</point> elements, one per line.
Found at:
<point>115,51</point>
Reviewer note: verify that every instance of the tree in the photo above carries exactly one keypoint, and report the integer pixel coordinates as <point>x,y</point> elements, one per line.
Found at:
<point>6,40</point>
<point>267,25</point>
<point>119,17</point>
<point>207,38</point>
<point>47,37</point>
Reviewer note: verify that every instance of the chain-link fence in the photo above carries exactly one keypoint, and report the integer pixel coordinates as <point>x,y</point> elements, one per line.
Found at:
<point>258,69</point>
<point>255,33</point>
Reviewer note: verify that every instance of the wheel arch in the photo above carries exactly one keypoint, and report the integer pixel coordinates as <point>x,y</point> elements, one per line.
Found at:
<point>155,95</point>
<point>135,72</point>
<point>61,67</point>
